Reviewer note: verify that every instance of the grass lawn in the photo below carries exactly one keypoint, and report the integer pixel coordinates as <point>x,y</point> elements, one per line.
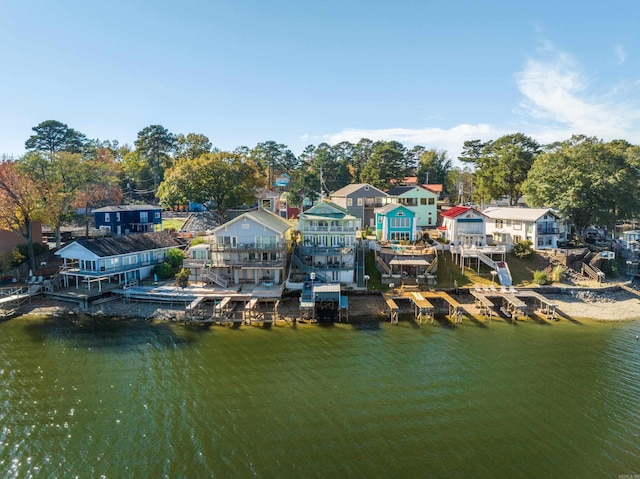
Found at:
<point>172,223</point>
<point>448,272</point>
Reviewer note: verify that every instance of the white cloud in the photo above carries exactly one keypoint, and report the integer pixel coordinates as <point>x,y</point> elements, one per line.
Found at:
<point>561,98</point>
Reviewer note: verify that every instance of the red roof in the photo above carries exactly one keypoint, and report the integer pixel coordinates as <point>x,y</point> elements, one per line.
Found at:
<point>436,188</point>
<point>455,211</point>
<point>458,210</point>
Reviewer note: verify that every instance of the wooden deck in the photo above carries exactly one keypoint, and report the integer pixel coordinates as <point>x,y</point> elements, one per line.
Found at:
<point>423,307</point>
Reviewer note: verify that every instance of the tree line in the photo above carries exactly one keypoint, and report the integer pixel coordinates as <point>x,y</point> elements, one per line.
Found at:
<point>588,180</point>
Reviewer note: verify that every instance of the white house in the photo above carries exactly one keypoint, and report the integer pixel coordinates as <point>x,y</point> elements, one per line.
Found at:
<point>463,226</point>
<point>509,226</point>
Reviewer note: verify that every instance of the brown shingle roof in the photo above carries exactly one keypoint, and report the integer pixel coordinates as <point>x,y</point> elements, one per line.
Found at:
<point>118,245</point>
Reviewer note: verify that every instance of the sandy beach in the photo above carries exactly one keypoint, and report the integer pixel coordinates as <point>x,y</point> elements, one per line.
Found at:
<point>600,305</point>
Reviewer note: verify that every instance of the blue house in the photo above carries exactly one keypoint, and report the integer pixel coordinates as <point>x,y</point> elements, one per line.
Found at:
<point>395,222</point>
<point>126,219</point>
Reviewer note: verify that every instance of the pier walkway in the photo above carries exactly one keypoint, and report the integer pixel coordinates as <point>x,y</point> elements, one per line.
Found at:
<point>423,307</point>
<point>13,298</point>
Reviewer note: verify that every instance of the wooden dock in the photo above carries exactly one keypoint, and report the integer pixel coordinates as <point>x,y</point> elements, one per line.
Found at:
<point>511,303</point>
<point>13,298</point>
<point>423,307</point>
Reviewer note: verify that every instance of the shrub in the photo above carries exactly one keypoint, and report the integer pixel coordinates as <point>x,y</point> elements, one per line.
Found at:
<point>556,274</point>
<point>164,271</point>
<point>541,277</point>
<point>174,257</point>
<point>523,249</point>
<point>610,268</point>
<point>17,258</point>
<point>182,278</point>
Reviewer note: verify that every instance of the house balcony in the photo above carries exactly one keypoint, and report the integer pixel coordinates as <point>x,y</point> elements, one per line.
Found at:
<point>73,269</point>
<point>328,229</point>
<point>245,263</point>
<point>547,230</point>
<point>327,250</point>
<point>240,247</point>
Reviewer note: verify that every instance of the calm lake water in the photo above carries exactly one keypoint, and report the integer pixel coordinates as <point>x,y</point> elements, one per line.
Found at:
<point>116,399</point>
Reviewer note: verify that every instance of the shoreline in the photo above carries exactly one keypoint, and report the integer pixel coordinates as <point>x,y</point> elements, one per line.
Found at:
<point>574,304</point>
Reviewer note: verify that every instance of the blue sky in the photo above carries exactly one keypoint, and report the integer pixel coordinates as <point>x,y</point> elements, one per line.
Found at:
<point>299,73</point>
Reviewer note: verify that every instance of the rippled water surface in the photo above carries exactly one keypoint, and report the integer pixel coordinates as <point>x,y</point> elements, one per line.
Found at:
<point>114,399</point>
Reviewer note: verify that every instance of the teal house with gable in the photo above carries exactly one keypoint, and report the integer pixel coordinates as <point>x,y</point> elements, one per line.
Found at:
<point>395,222</point>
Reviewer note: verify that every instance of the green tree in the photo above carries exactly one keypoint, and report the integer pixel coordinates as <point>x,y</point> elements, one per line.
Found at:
<point>51,136</point>
<point>273,158</point>
<point>433,167</point>
<point>219,179</point>
<point>154,143</point>
<point>136,177</point>
<point>501,166</point>
<point>191,146</point>
<point>385,165</point>
<point>587,180</point>
<point>174,257</point>
<point>460,184</point>
<point>362,151</point>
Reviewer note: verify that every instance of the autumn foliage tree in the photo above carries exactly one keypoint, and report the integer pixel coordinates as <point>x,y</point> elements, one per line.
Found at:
<point>20,205</point>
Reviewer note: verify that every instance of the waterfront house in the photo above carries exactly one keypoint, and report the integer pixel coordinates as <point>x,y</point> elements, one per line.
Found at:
<point>250,248</point>
<point>421,201</point>
<point>360,201</point>
<point>395,222</point>
<point>328,245</point>
<point>463,226</point>
<point>87,263</point>
<point>126,219</point>
<point>508,226</point>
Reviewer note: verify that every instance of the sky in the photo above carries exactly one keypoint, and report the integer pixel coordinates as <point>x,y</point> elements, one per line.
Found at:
<point>433,73</point>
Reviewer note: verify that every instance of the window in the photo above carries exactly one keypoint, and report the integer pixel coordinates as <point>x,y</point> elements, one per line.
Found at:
<point>423,201</point>
<point>107,217</point>
<point>517,239</point>
<point>399,236</point>
<point>349,201</point>
<point>540,242</point>
<point>157,214</point>
<point>499,224</point>
<point>508,223</point>
<point>432,201</point>
<point>359,201</point>
<point>117,216</point>
<point>144,216</point>
<point>517,225</point>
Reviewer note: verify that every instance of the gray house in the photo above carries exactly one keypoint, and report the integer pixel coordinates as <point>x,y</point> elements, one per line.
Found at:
<point>251,248</point>
<point>360,200</point>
